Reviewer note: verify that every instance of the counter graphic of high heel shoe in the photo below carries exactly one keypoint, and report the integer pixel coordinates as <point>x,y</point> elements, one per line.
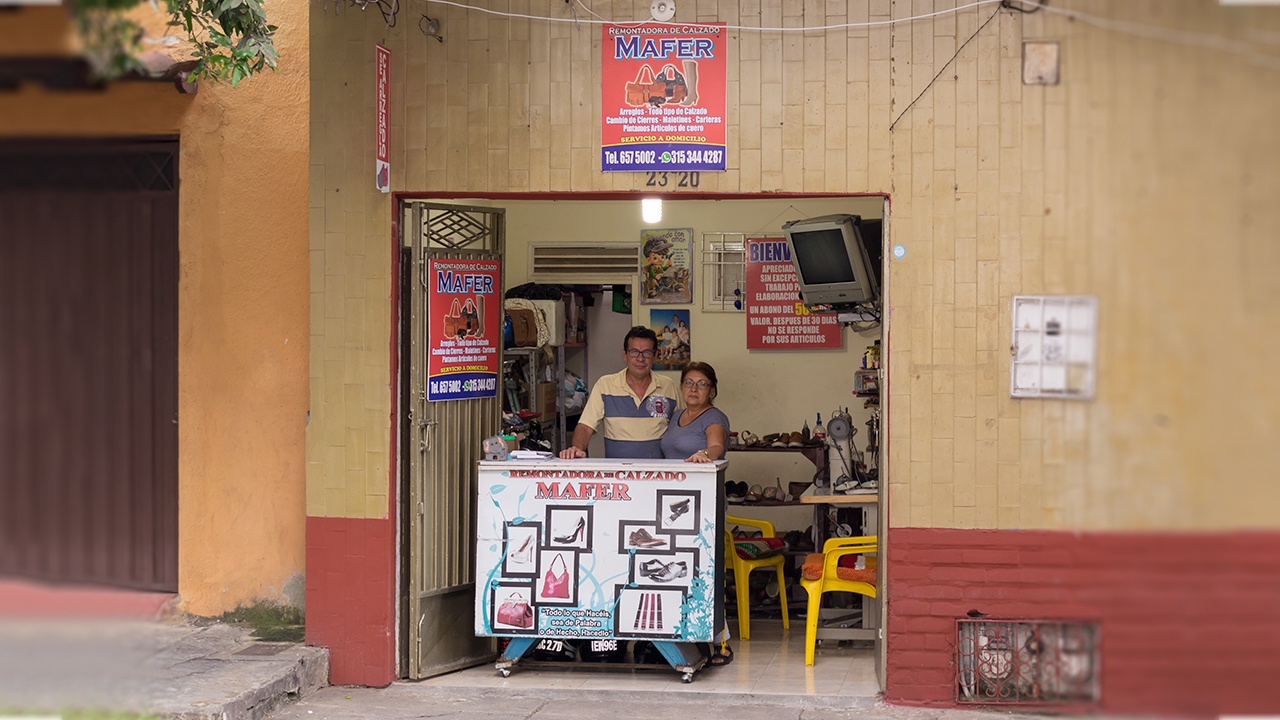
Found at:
<point>677,509</point>
<point>642,538</point>
<point>573,535</point>
<point>523,555</point>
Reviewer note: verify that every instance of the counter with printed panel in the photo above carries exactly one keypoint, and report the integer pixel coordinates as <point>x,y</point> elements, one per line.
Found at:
<point>601,549</point>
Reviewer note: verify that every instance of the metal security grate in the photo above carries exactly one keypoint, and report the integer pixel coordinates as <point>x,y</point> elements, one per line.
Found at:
<point>1026,662</point>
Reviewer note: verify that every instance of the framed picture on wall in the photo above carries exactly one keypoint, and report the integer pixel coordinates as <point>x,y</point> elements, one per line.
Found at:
<point>666,266</point>
<point>672,328</point>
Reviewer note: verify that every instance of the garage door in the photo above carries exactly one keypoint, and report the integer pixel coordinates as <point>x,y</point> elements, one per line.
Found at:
<point>88,362</point>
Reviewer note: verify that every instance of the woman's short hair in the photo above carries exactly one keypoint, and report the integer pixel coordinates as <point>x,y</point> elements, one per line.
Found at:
<point>703,368</point>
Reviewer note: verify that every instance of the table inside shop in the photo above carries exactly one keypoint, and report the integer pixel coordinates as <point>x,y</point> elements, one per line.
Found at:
<point>597,549</point>
<point>869,616</point>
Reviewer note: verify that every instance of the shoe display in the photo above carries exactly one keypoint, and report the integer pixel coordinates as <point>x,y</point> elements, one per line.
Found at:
<point>668,571</point>
<point>575,534</point>
<point>642,538</point>
<point>523,555</point>
<point>777,440</point>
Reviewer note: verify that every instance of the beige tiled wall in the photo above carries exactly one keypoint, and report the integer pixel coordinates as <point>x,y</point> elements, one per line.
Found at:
<point>1146,178</point>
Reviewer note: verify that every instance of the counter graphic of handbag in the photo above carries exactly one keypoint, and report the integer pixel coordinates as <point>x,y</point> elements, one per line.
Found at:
<point>649,612</point>
<point>516,612</point>
<point>553,585</point>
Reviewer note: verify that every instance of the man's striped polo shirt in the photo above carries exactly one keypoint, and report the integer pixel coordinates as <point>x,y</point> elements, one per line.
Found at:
<point>632,425</point>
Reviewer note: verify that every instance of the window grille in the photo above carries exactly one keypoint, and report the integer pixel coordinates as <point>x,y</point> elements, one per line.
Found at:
<point>724,261</point>
<point>1026,662</point>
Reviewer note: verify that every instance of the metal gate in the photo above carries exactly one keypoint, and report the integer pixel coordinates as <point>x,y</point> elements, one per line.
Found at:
<point>442,442</point>
<point>89,362</point>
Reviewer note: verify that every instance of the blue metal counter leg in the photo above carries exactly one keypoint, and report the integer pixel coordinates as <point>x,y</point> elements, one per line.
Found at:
<point>684,657</point>
<point>515,650</point>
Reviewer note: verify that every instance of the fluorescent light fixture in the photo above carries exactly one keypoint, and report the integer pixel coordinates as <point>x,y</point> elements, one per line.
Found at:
<point>651,209</point>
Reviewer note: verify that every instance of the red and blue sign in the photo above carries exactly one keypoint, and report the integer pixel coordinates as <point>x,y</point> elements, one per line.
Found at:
<point>464,329</point>
<point>663,97</point>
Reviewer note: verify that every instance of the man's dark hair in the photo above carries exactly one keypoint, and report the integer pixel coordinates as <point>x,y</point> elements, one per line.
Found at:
<point>640,331</point>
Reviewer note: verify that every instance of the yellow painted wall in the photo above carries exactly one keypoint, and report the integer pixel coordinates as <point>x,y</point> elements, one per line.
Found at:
<point>242,293</point>
<point>1145,178</point>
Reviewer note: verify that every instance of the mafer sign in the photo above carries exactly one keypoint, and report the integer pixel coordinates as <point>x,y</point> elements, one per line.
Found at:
<point>464,329</point>
<point>663,97</point>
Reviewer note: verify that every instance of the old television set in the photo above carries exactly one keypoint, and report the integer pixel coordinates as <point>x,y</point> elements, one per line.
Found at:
<point>831,260</point>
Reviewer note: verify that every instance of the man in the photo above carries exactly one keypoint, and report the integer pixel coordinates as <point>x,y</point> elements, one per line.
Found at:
<point>632,407</point>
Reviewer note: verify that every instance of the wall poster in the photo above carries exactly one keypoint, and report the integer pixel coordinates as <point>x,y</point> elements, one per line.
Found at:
<point>663,97</point>
<point>672,328</point>
<point>598,549</point>
<point>776,318</point>
<point>464,328</point>
<point>666,266</point>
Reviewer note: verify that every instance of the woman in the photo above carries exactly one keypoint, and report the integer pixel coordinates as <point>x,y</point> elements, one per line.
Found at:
<point>699,433</point>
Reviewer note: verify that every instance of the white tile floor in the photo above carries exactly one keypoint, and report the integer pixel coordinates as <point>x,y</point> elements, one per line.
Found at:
<point>771,663</point>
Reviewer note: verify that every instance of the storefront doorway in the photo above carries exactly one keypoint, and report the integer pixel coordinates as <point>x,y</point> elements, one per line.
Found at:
<point>768,391</point>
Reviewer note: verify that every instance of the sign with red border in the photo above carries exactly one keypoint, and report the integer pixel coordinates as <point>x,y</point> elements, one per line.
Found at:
<point>464,328</point>
<point>776,318</point>
<point>382,155</point>
<point>663,97</point>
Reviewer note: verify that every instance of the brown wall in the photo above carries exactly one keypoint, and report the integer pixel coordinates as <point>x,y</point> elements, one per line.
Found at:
<point>1143,178</point>
<point>243,342</point>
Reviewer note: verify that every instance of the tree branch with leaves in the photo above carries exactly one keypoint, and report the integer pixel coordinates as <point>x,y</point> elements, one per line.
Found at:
<point>230,39</point>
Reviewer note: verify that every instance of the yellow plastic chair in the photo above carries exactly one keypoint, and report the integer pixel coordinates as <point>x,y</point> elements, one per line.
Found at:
<point>742,568</point>
<point>830,577</point>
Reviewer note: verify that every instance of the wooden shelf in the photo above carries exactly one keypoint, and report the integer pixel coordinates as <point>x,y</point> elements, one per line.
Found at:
<point>817,454</point>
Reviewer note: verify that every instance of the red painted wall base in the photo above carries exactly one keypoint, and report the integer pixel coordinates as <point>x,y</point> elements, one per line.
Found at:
<point>1189,623</point>
<point>351,597</point>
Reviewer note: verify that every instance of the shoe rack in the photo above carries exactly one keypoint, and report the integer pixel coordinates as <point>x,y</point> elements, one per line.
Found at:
<point>535,364</point>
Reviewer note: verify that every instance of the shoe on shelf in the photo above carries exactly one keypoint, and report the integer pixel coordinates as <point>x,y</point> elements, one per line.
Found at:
<point>774,440</point>
<point>754,493</point>
<point>795,440</point>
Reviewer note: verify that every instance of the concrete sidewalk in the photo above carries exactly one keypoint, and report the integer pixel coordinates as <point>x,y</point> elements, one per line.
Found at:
<point>170,668</point>
<point>407,701</point>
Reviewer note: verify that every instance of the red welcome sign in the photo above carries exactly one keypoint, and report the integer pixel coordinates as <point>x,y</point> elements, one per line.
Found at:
<point>776,318</point>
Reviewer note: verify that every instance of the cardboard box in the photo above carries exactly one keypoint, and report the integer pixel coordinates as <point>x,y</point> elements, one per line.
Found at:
<point>545,402</point>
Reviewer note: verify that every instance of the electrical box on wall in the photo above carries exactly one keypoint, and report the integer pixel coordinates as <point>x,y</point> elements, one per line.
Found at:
<point>1054,347</point>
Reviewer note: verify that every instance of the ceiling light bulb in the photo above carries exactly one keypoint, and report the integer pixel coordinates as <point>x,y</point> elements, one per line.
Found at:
<point>651,210</point>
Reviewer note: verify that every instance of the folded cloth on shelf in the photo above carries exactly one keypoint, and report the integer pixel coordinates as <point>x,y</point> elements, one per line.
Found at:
<point>756,548</point>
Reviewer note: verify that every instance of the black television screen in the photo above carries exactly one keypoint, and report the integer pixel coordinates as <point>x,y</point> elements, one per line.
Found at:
<point>822,257</point>
<point>830,260</point>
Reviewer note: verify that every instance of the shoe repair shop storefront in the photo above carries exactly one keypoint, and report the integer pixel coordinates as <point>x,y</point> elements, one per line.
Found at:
<point>813,481</point>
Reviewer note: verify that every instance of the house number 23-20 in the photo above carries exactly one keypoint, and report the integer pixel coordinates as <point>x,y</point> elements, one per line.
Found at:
<point>678,179</point>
